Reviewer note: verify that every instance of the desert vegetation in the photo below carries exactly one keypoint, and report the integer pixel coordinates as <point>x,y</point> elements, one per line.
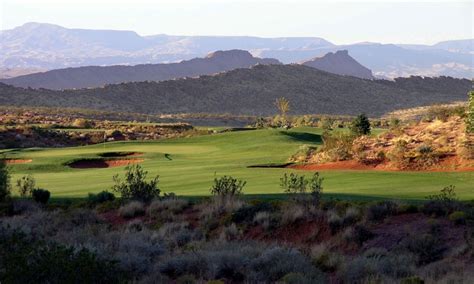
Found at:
<point>145,236</point>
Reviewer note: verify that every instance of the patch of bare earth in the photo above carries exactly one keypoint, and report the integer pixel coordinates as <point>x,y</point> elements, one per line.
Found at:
<point>17,161</point>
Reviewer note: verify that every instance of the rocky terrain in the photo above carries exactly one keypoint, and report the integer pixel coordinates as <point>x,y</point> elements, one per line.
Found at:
<point>340,63</point>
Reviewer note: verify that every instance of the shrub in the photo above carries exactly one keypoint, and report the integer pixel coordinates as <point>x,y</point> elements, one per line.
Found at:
<point>101,197</point>
<point>135,185</point>
<point>40,195</point>
<point>173,205</point>
<point>358,234</point>
<point>263,218</point>
<point>381,210</point>
<point>81,123</point>
<point>427,247</point>
<point>25,185</point>
<point>324,259</point>
<point>335,221</point>
<point>292,214</point>
<point>442,204</point>
<point>132,209</point>
<point>299,186</point>
<point>351,216</point>
<point>458,217</point>
<point>4,181</point>
<point>360,125</point>
<point>227,186</point>
<point>338,145</point>
<point>25,260</point>
<point>247,213</point>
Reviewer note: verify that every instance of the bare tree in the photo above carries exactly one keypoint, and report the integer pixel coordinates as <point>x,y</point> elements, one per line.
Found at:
<point>283,106</point>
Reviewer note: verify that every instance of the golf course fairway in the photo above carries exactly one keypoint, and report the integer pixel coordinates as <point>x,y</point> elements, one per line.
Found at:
<point>187,166</point>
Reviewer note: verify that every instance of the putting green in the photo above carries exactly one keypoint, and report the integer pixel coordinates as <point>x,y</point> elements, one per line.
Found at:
<point>187,166</point>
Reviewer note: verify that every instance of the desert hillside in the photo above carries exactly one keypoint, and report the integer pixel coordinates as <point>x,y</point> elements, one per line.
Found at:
<point>427,145</point>
<point>252,91</point>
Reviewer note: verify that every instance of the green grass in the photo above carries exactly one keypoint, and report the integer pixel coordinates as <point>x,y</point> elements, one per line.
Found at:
<point>196,160</point>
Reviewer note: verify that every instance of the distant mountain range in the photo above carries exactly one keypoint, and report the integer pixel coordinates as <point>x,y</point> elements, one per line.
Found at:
<point>47,46</point>
<point>220,61</point>
<point>252,91</point>
<point>95,76</point>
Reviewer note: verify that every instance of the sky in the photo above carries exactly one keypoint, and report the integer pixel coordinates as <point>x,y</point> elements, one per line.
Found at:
<point>341,22</point>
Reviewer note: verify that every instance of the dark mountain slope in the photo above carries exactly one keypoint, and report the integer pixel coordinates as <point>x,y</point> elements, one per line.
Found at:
<point>95,76</point>
<point>246,91</point>
<point>340,63</point>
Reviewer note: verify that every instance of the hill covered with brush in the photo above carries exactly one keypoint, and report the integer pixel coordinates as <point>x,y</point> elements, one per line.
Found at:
<point>252,91</point>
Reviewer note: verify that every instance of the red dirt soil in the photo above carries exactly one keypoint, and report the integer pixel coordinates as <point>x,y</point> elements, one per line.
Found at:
<point>17,161</point>
<point>97,164</point>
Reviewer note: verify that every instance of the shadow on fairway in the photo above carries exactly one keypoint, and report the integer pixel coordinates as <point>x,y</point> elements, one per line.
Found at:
<point>303,136</point>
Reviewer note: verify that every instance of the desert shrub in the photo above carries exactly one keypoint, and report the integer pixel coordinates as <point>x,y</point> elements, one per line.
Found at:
<point>358,234</point>
<point>230,232</point>
<point>351,216</point>
<point>132,209</point>
<point>458,217</point>
<point>381,210</point>
<point>360,125</point>
<point>398,154</point>
<point>263,218</point>
<point>81,123</point>
<point>408,208</point>
<point>186,279</point>
<point>4,181</point>
<point>178,234</point>
<point>444,112</point>
<point>292,214</point>
<point>40,195</point>
<point>428,247</point>
<point>324,259</point>
<point>26,260</point>
<point>274,263</point>
<point>338,145</point>
<point>173,205</point>
<point>24,206</point>
<point>335,221</point>
<point>299,187</point>
<point>412,280</point>
<point>247,213</point>
<point>442,204</point>
<point>25,185</point>
<point>135,185</point>
<point>101,197</point>
<point>227,186</point>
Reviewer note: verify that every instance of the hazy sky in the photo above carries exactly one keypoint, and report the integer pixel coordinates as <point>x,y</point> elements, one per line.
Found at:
<point>337,21</point>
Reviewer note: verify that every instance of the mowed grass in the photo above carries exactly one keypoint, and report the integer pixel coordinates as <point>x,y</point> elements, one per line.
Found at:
<point>187,166</point>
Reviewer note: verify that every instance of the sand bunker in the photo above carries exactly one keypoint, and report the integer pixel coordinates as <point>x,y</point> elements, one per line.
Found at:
<point>101,163</point>
<point>17,161</point>
<point>119,154</point>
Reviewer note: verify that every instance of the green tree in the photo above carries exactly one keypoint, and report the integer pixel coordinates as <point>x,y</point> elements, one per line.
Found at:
<point>361,125</point>
<point>4,180</point>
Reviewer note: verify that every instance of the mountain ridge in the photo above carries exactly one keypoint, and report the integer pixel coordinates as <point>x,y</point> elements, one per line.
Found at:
<point>252,91</point>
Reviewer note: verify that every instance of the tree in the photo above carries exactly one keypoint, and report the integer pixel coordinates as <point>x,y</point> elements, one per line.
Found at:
<point>4,180</point>
<point>135,185</point>
<point>283,106</point>
<point>360,125</point>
